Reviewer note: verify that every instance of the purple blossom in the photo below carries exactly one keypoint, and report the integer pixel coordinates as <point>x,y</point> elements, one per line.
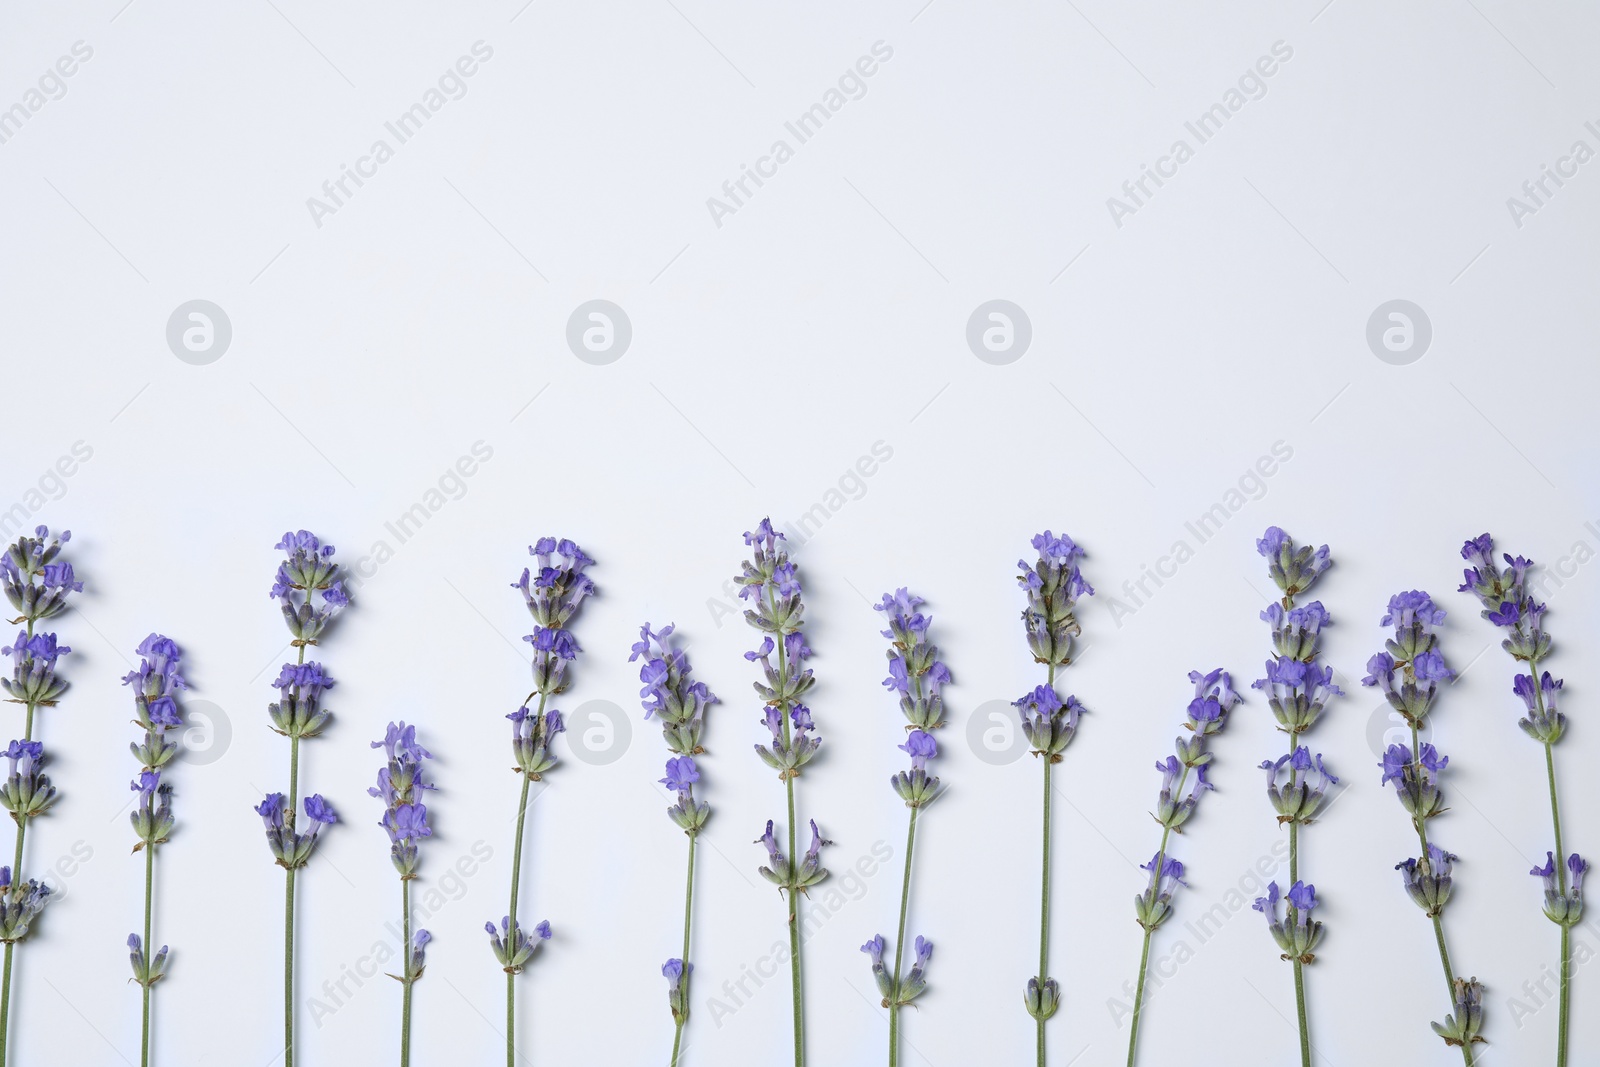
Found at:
<point>1052,586</point>
<point>921,747</point>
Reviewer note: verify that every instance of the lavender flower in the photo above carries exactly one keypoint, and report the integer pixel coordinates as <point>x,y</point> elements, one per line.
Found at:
<point>1294,930</point>
<point>20,905</point>
<point>310,594</point>
<point>1427,880</point>
<point>553,597</point>
<point>1051,587</point>
<point>669,692</point>
<point>1508,603</point>
<point>678,702</point>
<point>37,583</point>
<point>27,791</point>
<point>1205,716</point>
<point>677,972</point>
<point>514,947</point>
<point>1409,672</point>
<point>1461,1028</point>
<point>1563,903</point>
<point>291,850</point>
<point>33,678</point>
<point>1048,722</point>
<point>1152,907</point>
<point>1294,570</point>
<point>1298,690</point>
<point>769,583</point>
<point>553,591</point>
<point>916,674</point>
<point>402,785</point>
<point>156,684</point>
<point>1297,796</point>
<point>35,580</point>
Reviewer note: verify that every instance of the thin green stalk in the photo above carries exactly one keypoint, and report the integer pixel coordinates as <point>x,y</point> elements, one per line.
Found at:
<point>288,893</point>
<point>16,879</point>
<point>405,958</point>
<point>1561,875</point>
<point>1299,968</point>
<point>515,924</point>
<point>1044,906</point>
<point>1138,992</point>
<point>794,941</point>
<point>1044,893</point>
<point>688,915</point>
<point>794,866</point>
<point>900,939</point>
<point>5,1004</point>
<point>149,882</point>
<point>1144,953</point>
<point>1566,994</point>
<point>1438,922</point>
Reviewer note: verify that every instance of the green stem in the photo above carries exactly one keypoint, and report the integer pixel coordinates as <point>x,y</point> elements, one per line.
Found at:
<point>149,881</point>
<point>900,940</point>
<point>794,865</point>
<point>1138,993</point>
<point>688,916</point>
<point>513,923</point>
<point>405,958</point>
<point>1044,894</point>
<point>288,912</point>
<point>1299,968</point>
<point>1561,873</point>
<point>794,936</point>
<point>1144,953</point>
<point>5,1003</point>
<point>1044,907</point>
<point>288,891</point>
<point>1438,922</point>
<point>1566,994</point>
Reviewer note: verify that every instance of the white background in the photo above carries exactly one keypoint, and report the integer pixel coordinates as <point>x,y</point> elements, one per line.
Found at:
<point>768,354</point>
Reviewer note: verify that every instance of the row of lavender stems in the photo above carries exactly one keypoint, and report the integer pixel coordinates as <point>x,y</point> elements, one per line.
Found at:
<point>310,593</point>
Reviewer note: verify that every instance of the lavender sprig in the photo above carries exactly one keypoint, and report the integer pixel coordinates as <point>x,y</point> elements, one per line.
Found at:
<point>1298,689</point>
<point>1509,604</point>
<point>37,582</point>
<point>679,704</point>
<point>553,595</point>
<point>310,593</point>
<point>1206,715</point>
<point>916,676</point>
<point>156,683</point>
<point>402,786</point>
<point>1052,585</point>
<point>770,584</point>
<point>1410,672</point>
